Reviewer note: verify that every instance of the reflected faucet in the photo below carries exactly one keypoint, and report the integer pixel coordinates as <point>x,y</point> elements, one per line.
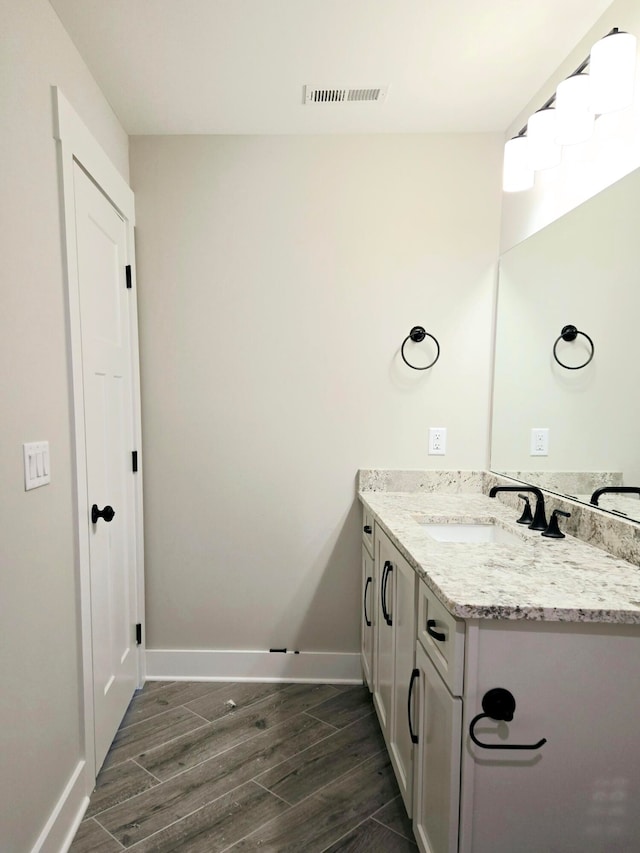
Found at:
<point>616,490</point>
<point>539,518</point>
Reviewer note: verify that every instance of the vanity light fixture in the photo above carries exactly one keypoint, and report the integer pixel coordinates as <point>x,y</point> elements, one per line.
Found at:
<point>612,69</point>
<point>568,116</point>
<point>517,174</point>
<point>573,108</point>
<point>542,129</point>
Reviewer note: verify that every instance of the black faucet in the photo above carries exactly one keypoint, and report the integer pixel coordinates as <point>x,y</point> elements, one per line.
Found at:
<point>539,518</point>
<point>616,490</point>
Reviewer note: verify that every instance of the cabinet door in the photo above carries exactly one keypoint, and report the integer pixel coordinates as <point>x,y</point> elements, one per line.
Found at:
<point>383,635</point>
<point>437,780</point>
<point>367,622</point>
<point>403,616</point>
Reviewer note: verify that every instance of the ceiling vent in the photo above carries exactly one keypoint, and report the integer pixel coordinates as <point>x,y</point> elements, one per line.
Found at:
<point>338,95</point>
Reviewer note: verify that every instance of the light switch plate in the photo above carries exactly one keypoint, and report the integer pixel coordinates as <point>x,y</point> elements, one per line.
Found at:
<point>37,467</point>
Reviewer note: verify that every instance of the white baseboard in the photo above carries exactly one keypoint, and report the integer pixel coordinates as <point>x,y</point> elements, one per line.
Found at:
<point>213,665</point>
<point>64,820</point>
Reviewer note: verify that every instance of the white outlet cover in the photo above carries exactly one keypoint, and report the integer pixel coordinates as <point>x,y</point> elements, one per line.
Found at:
<point>539,441</point>
<point>437,441</point>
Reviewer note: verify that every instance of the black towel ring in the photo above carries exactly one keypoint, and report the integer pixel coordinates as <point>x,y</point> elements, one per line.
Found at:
<point>418,334</point>
<point>570,333</point>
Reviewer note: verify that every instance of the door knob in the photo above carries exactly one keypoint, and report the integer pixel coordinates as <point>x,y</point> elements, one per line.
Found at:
<point>107,513</point>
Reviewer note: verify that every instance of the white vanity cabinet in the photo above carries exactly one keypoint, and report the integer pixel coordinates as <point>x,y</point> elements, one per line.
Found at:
<point>576,785</point>
<point>550,629</point>
<point>368,615</point>
<point>576,685</point>
<point>394,656</point>
<point>577,697</point>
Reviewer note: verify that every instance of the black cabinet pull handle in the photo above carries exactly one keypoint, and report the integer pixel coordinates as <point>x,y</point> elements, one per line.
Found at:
<point>388,568</point>
<point>367,528</point>
<point>385,568</point>
<point>383,591</point>
<point>437,635</point>
<point>366,618</point>
<point>499,704</point>
<point>107,513</point>
<point>415,674</point>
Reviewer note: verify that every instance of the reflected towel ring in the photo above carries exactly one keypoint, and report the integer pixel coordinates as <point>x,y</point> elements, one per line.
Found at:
<point>570,333</point>
<point>418,334</point>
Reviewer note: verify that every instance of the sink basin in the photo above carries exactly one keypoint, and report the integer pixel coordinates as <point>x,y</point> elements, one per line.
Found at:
<point>471,532</point>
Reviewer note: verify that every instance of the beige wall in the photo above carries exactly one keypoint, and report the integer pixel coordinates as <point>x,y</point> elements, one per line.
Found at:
<point>40,722</point>
<point>278,277</point>
<point>586,169</point>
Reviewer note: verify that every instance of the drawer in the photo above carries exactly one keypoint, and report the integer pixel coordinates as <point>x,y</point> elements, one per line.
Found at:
<point>367,529</point>
<point>442,637</point>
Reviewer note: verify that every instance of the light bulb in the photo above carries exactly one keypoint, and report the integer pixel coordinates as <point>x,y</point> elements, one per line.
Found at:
<point>544,151</point>
<point>574,116</point>
<point>612,67</point>
<point>517,175</point>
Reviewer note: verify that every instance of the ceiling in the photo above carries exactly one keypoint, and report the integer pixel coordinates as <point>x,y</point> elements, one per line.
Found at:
<point>239,66</point>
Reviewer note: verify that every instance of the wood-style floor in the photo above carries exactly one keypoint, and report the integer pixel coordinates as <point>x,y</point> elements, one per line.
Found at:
<point>201,768</point>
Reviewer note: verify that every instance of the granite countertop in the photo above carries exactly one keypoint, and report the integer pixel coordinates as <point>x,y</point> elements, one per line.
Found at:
<point>563,580</point>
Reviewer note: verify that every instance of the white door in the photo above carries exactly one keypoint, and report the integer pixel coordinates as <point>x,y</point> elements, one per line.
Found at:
<point>101,235</point>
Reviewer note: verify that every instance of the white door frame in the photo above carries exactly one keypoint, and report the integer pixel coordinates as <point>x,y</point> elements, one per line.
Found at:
<point>76,144</point>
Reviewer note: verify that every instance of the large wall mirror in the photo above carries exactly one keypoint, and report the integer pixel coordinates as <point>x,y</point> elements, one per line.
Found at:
<point>582,270</point>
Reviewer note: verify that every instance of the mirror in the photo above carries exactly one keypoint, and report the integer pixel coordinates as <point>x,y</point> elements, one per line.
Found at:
<point>581,270</point>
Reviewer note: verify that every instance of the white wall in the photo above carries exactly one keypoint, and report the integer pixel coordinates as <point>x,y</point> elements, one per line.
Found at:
<point>278,277</point>
<point>40,719</point>
<point>586,169</point>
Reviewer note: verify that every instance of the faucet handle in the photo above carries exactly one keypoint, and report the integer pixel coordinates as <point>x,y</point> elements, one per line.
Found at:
<point>553,531</point>
<point>526,517</point>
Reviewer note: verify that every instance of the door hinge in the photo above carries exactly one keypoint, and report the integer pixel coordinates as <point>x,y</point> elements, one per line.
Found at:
<point>134,461</point>
<point>127,271</point>
<point>139,634</point>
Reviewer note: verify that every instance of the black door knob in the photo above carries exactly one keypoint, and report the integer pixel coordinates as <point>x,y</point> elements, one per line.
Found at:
<point>107,513</point>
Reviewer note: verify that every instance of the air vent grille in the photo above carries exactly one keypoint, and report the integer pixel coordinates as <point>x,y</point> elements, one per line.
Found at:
<point>364,94</point>
<point>344,95</point>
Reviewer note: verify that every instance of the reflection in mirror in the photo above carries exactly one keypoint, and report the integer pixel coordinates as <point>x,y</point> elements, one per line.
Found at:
<point>582,270</point>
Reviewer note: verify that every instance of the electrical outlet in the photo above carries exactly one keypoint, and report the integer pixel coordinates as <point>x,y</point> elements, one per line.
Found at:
<point>539,442</point>
<point>437,441</point>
